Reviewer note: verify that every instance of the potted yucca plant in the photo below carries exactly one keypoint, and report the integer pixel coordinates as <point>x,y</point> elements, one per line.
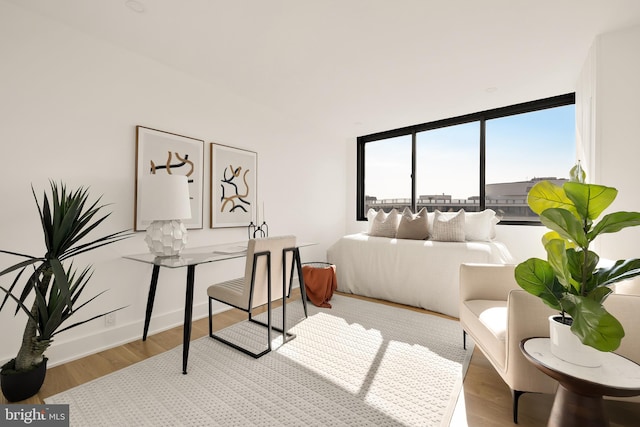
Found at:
<point>572,279</point>
<point>67,218</point>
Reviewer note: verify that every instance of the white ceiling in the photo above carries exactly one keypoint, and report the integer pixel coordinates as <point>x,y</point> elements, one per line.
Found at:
<point>354,67</point>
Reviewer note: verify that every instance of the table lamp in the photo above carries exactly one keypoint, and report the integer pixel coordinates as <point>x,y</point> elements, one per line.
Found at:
<point>165,202</point>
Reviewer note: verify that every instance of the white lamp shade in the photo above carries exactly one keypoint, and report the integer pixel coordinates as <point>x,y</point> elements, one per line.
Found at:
<point>164,197</point>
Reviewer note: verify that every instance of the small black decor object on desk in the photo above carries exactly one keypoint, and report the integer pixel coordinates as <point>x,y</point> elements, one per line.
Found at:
<point>254,231</point>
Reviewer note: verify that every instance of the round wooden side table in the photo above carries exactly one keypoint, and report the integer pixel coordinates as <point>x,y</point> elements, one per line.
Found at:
<point>578,400</point>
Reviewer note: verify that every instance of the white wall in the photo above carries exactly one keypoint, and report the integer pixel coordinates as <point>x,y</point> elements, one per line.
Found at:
<point>611,79</point>
<point>607,97</point>
<point>69,105</point>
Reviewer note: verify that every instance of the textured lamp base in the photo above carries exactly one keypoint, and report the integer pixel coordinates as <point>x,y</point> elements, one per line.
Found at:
<point>166,238</point>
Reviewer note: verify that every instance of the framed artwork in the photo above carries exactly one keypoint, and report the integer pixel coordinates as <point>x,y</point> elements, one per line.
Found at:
<point>159,152</point>
<point>233,186</point>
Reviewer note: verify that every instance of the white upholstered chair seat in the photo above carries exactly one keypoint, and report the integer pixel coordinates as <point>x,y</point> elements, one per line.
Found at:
<point>231,291</point>
<point>491,319</point>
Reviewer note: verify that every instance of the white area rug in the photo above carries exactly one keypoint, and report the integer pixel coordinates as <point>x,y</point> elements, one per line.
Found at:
<point>356,364</point>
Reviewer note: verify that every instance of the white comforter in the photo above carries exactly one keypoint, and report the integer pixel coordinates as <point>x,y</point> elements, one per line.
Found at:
<point>421,273</point>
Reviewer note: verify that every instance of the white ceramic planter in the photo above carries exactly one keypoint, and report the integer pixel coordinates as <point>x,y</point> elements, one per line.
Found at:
<point>568,347</point>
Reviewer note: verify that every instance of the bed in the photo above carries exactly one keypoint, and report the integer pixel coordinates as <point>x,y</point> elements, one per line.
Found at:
<point>420,273</point>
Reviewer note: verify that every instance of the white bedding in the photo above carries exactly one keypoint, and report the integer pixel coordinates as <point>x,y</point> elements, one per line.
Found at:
<point>421,273</point>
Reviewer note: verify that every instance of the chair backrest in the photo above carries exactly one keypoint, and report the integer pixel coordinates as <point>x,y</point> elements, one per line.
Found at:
<point>274,245</point>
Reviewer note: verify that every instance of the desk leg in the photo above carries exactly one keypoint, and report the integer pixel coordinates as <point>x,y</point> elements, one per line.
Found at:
<point>188,310</point>
<point>575,410</point>
<point>284,295</point>
<point>303,289</point>
<point>152,296</point>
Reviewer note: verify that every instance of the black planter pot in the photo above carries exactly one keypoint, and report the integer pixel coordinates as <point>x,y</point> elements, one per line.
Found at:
<point>17,386</point>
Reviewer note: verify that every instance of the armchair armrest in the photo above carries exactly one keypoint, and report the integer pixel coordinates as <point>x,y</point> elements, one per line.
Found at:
<point>486,281</point>
<point>625,308</point>
<point>527,316</point>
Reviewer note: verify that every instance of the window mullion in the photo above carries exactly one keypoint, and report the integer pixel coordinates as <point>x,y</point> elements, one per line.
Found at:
<point>482,162</point>
<point>414,161</point>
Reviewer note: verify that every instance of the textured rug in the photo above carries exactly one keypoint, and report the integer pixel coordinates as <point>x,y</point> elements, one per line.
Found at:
<point>356,364</point>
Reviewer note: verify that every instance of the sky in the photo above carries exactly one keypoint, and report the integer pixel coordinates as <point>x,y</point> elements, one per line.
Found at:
<point>519,148</point>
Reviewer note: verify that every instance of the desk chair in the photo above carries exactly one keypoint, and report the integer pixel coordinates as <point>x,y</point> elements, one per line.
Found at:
<point>266,266</point>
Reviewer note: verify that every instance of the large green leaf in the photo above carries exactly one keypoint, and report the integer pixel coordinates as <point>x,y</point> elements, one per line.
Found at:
<point>545,195</point>
<point>551,235</point>
<point>577,174</point>
<point>582,269</point>
<point>600,294</point>
<point>615,222</point>
<point>621,270</point>
<point>566,224</point>
<point>557,258</point>
<point>536,277</point>
<point>590,200</point>
<point>593,324</point>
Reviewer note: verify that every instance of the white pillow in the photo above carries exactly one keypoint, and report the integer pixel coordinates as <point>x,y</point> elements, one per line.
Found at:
<point>448,228</point>
<point>480,226</point>
<point>371,214</point>
<point>413,226</point>
<point>474,224</point>
<point>385,225</point>
<point>431,216</point>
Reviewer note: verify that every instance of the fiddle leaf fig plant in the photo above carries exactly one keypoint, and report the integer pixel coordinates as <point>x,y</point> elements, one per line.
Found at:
<point>571,279</point>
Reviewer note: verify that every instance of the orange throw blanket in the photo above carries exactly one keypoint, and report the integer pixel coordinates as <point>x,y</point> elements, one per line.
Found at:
<point>320,283</point>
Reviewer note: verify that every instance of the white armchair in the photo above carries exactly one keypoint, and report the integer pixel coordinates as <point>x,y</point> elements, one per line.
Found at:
<point>498,315</point>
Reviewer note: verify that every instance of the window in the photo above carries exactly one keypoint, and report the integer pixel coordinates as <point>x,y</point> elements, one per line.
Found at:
<point>447,168</point>
<point>483,160</point>
<point>392,185</point>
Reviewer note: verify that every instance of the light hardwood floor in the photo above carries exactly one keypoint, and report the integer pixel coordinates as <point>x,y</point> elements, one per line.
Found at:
<point>487,399</point>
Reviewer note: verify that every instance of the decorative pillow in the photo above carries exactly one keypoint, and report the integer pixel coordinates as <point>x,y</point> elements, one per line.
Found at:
<point>385,225</point>
<point>448,228</point>
<point>413,226</point>
<point>494,221</point>
<point>371,214</point>
<point>431,216</point>
<point>480,226</point>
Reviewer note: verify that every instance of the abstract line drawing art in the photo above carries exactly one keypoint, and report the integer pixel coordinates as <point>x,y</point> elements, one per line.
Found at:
<point>159,152</point>
<point>170,168</point>
<point>233,186</point>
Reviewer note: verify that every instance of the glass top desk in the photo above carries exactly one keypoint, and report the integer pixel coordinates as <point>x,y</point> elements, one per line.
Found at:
<point>190,258</point>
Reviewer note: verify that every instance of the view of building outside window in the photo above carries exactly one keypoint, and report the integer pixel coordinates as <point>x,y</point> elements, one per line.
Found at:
<point>523,149</point>
<point>520,150</point>
<point>448,168</point>
<point>388,177</point>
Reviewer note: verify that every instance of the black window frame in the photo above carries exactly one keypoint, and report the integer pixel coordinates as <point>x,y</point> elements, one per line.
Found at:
<point>481,117</point>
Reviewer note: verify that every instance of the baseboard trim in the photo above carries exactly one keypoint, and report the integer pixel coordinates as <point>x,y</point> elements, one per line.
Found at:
<point>66,351</point>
